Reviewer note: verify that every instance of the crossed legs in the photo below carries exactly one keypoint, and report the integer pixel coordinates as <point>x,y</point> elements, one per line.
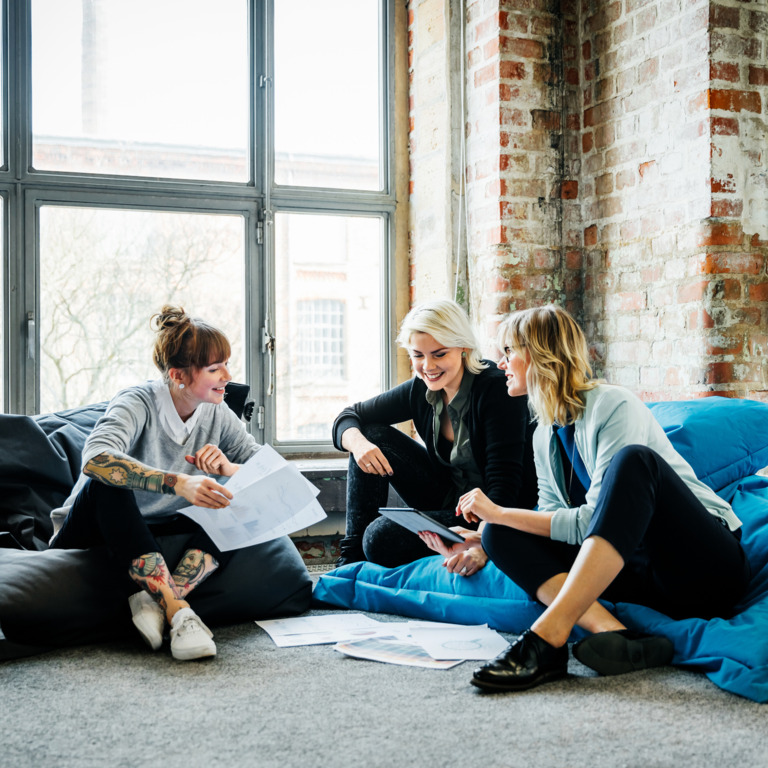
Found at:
<point>650,541</point>
<point>104,515</point>
<point>169,590</point>
<point>572,597</point>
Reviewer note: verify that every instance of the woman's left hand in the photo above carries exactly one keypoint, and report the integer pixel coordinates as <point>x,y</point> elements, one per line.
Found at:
<point>464,558</point>
<point>211,460</point>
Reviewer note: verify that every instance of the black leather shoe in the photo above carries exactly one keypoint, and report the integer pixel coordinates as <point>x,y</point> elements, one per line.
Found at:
<point>614,653</point>
<point>528,662</point>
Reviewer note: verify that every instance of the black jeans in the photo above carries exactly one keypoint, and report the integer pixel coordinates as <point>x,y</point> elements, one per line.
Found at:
<point>678,558</point>
<point>104,515</point>
<point>421,485</point>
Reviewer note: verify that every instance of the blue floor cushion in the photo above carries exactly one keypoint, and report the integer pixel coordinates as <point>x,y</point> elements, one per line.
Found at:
<point>725,440</point>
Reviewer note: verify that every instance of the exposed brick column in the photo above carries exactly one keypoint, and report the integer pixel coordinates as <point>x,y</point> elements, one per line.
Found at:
<point>733,257</point>
<point>522,138</point>
<point>616,162</point>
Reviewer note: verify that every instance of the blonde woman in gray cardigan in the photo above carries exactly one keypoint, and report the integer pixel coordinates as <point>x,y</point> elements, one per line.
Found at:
<point>621,516</point>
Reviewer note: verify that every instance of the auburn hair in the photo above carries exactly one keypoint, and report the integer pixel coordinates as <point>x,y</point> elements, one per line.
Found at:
<point>186,342</point>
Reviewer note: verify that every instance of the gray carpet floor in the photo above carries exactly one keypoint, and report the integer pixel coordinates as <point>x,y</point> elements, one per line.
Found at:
<point>259,705</point>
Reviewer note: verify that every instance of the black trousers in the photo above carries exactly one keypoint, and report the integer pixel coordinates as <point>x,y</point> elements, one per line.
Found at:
<point>109,516</point>
<point>678,558</point>
<point>419,483</point>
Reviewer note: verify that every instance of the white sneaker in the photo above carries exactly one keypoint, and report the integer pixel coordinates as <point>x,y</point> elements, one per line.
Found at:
<point>148,618</point>
<point>190,638</point>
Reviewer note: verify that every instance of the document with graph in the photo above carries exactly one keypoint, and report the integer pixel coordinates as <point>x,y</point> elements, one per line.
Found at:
<point>271,498</point>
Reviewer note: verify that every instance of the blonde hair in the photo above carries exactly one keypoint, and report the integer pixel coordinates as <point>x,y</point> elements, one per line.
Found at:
<point>447,323</point>
<point>186,342</point>
<point>559,369</point>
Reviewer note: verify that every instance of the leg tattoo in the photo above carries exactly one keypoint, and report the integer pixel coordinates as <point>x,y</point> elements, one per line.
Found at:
<point>193,569</point>
<point>151,573</point>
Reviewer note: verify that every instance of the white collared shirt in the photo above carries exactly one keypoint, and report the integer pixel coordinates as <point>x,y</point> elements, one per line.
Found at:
<point>178,430</point>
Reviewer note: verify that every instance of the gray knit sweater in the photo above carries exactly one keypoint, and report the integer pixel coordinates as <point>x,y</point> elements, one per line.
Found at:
<point>132,426</point>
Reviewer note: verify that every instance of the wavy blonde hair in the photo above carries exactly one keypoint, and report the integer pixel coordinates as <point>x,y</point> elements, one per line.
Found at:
<point>447,323</point>
<point>559,369</point>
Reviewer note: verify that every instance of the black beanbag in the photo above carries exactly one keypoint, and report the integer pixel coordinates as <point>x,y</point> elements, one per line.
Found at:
<point>67,596</point>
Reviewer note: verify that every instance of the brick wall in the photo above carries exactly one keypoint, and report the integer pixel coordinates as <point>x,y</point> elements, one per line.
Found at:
<point>669,268</point>
<point>733,253</point>
<point>645,179</point>
<point>616,163</point>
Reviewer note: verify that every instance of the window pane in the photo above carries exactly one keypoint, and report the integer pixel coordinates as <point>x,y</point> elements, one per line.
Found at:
<point>326,109</point>
<point>2,101</point>
<point>104,273</point>
<point>141,87</point>
<point>329,319</point>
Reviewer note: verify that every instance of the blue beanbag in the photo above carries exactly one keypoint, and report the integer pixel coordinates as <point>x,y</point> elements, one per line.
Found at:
<point>720,437</point>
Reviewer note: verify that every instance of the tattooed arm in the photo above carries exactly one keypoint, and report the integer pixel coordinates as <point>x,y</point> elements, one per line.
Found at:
<point>122,471</point>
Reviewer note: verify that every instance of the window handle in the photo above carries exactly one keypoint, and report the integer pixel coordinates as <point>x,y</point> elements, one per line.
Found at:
<point>31,335</point>
<point>268,346</point>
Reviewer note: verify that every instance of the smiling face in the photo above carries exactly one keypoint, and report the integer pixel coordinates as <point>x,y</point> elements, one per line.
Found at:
<point>201,385</point>
<point>439,367</point>
<point>515,368</point>
<point>208,383</point>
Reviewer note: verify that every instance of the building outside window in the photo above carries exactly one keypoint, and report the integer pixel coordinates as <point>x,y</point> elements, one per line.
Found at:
<point>240,166</point>
<point>321,338</point>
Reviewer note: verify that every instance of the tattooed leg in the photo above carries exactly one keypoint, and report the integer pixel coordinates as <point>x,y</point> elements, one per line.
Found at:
<point>193,569</point>
<point>151,573</point>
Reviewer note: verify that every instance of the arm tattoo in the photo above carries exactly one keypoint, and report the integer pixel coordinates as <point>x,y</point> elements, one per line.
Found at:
<point>121,471</point>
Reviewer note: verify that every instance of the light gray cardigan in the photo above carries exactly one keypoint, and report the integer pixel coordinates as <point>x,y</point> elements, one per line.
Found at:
<point>613,418</point>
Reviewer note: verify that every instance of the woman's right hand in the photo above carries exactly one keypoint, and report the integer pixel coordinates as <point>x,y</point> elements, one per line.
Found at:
<point>202,491</point>
<point>368,456</point>
<point>476,506</point>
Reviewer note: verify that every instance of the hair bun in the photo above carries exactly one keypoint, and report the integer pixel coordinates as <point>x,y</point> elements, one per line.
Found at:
<point>170,317</point>
<point>186,342</point>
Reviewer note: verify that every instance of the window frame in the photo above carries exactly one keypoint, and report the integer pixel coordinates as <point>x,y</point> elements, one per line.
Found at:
<point>24,190</point>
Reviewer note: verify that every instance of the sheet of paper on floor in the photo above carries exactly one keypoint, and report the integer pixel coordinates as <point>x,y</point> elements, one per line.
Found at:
<point>391,651</point>
<point>332,628</point>
<point>451,641</point>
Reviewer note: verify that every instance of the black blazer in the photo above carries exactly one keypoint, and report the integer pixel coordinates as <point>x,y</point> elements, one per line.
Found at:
<point>500,431</point>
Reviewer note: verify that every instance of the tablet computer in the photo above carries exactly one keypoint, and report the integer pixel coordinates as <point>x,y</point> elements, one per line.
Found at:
<point>417,521</point>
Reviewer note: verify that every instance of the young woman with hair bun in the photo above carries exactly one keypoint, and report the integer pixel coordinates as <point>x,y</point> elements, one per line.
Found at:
<point>153,452</point>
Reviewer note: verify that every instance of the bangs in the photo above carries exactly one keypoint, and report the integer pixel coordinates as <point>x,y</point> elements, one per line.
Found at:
<point>209,346</point>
